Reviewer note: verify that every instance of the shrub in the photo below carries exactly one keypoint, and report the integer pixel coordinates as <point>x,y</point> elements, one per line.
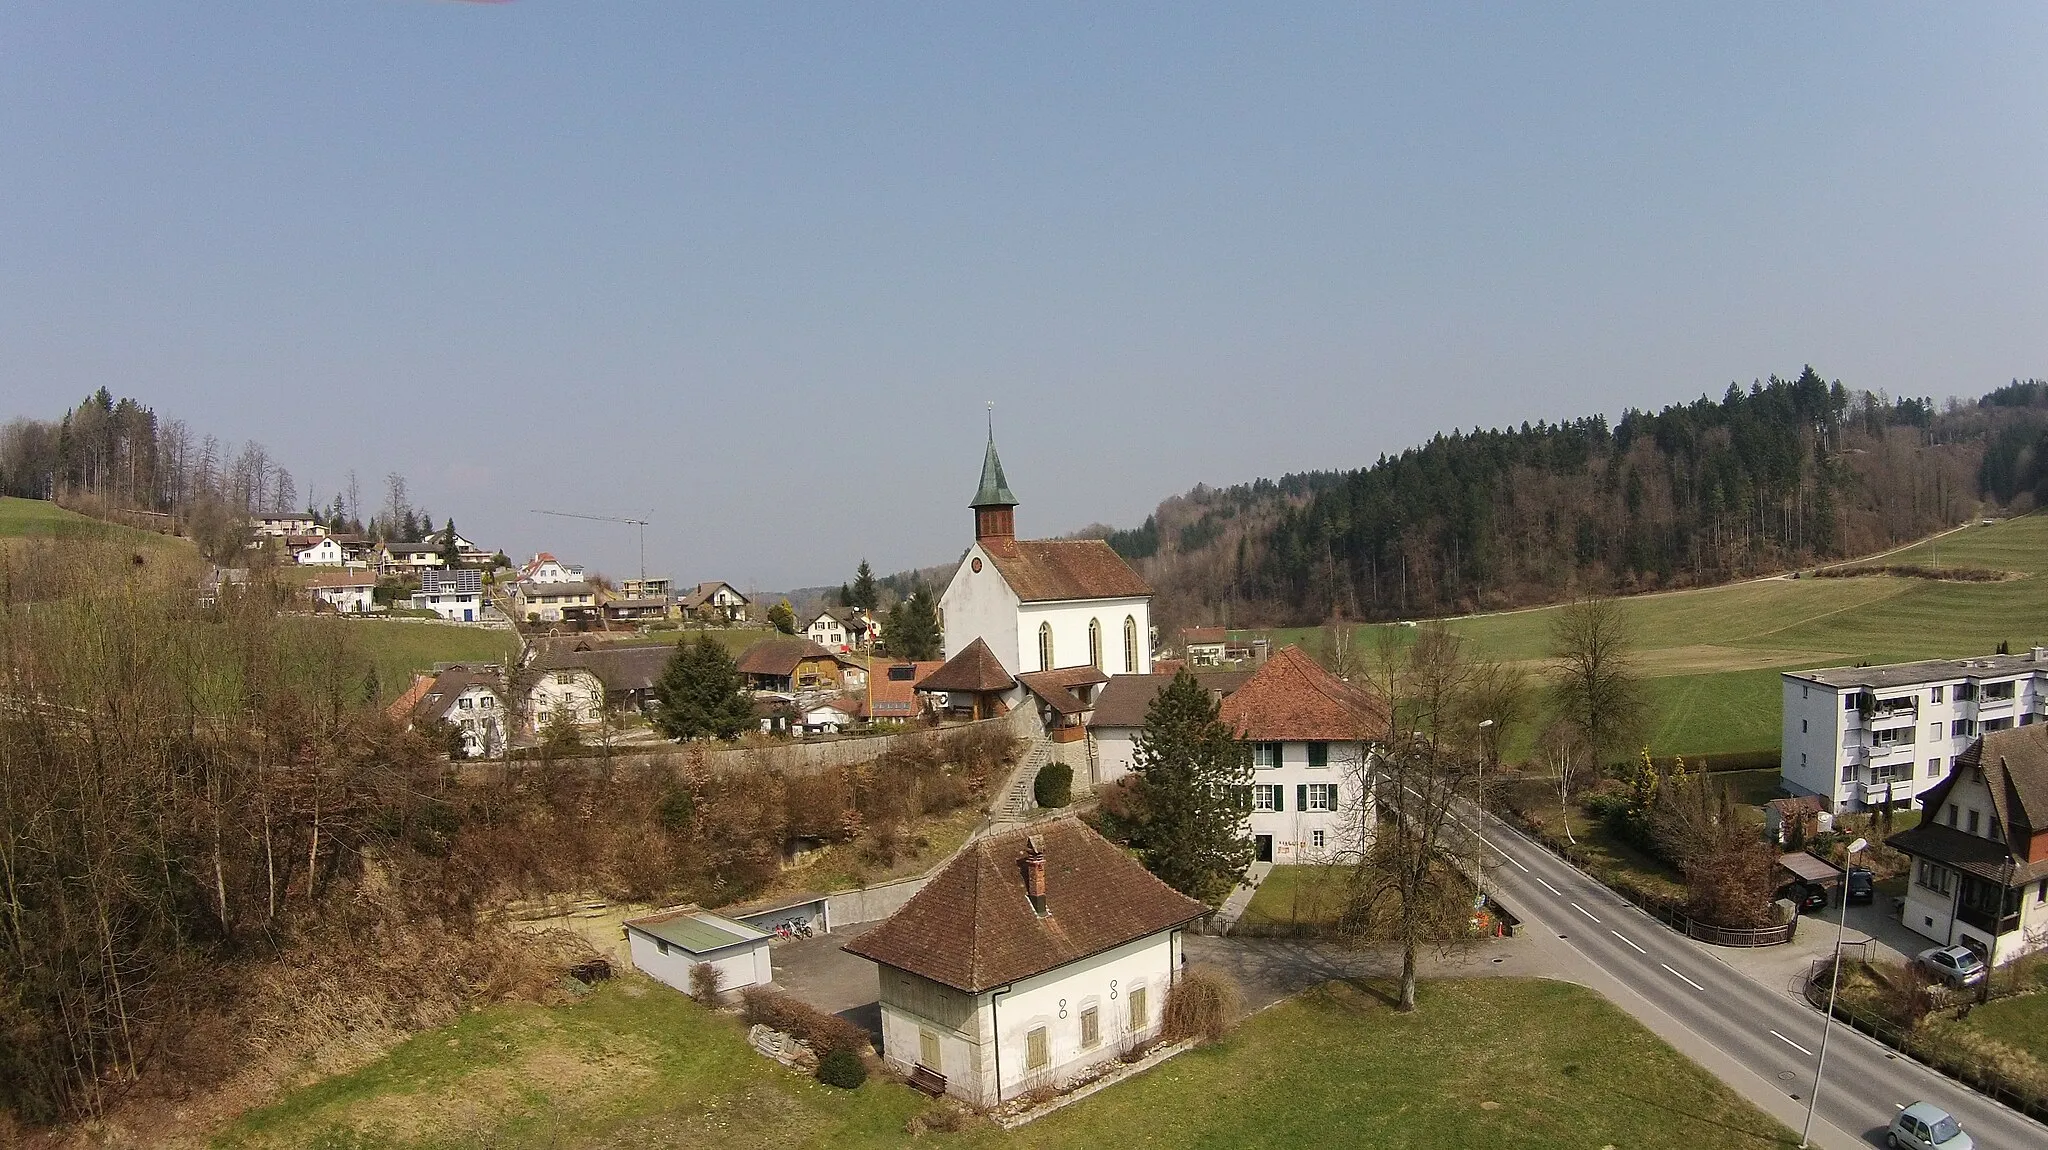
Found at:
<point>778,1011</point>
<point>704,980</point>
<point>1203,1004</point>
<point>944,1116</point>
<point>1054,787</point>
<point>842,1068</point>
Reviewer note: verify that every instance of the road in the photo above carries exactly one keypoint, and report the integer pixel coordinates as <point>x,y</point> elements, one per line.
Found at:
<point>1761,1042</point>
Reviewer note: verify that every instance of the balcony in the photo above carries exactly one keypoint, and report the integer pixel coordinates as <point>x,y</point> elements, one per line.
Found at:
<point>1997,924</point>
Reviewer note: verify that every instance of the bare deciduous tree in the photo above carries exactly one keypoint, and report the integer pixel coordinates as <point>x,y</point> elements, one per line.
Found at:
<point>1593,679</point>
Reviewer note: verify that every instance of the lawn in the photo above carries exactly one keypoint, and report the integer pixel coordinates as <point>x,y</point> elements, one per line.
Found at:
<point>39,518</point>
<point>1490,1062</point>
<point>1298,896</point>
<point>398,649</point>
<point>1712,655</point>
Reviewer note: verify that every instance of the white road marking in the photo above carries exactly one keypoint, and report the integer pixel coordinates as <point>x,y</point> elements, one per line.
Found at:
<point>1792,1044</point>
<point>1584,911</point>
<point>1548,887</point>
<point>1513,859</point>
<point>1682,978</point>
<point>1625,938</point>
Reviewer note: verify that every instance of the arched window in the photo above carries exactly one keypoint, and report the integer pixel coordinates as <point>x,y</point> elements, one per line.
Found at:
<point>1095,643</point>
<point>1045,646</point>
<point>1130,645</point>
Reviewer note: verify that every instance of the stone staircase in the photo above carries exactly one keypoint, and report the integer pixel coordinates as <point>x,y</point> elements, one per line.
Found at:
<point>1015,804</point>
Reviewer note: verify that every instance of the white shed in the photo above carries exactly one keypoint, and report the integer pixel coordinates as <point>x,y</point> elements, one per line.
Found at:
<point>667,944</point>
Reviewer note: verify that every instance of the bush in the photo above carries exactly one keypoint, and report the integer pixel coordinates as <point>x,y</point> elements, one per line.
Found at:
<point>942,1117</point>
<point>1203,1004</point>
<point>842,1068</point>
<point>824,1032</point>
<point>1054,787</point>
<point>704,980</point>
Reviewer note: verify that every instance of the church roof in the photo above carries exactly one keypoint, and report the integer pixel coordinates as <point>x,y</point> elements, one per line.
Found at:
<point>1291,698</point>
<point>995,490</point>
<point>973,927</point>
<point>974,669</point>
<point>1049,570</point>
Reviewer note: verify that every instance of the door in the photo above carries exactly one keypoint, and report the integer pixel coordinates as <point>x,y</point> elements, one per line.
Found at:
<point>1264,845</point>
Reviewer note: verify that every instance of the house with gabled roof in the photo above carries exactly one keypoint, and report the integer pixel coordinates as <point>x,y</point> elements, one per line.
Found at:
<point>1980,853</point>
<point>720,601</point>
<point>1312,737</point>
<point>1030,957</point>
<point>792,664</point>
<point>1043,604</point>
<point>464,697</point>
<point>970,685</point>
<point>349,590</point>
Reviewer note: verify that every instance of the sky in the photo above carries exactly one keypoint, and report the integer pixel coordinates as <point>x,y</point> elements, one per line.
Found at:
<point>755,272</point>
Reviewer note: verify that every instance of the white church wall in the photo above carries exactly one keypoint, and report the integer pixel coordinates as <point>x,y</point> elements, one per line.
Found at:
<point>979,604</point>
<point>1069,621</point>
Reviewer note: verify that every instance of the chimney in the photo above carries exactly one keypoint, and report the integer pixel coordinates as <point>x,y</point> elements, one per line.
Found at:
<point>1034,875</point>
<point>2040,654</point>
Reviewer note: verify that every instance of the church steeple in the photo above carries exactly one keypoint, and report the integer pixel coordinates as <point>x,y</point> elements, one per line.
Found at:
<point>993,517</point>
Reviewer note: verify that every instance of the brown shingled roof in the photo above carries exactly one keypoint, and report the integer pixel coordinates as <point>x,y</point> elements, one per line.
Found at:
<point>1126,698</point>
<point>1293,698</point>
<point>1047,570</point>
<point>972,928</point>
<point>779,655</point>
<point>974,669</point>
<point>1057,686</point>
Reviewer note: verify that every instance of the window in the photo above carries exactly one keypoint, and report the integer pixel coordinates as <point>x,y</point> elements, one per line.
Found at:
<point>1130,645</point>
<point>1951,814</point>
<point>1935,878</point>
<point>1966,692</point>
<point>1320,797</point>
<point>1934,768</point>
<point>1937,695</point>
<point>1140,1015</point>
<point>565,677</point>
<point>928,1050</point>
<point>1045,646</point>
<point>1848,772</point>
<point>1036,1055</point>
<point>1973,820</point>
<point>1265,756</point>
<point>1933,731</point>
<point>488,702</point>
<point>1802,690</point>
<point>1996,832</point>
<point>1998,692</point>
<point>1962,728</point>
<point>2041,892</point>
<point>1316,840</point>
<point>1848,702</point>
<point>661,946</point>
<point>1091,1027</point>
<point>465,703</point>
<point>1319,754</point>
<point>1802,726</point>
<point>2000,724</point>
<point>1266,798</point>
<point>1095,643</point>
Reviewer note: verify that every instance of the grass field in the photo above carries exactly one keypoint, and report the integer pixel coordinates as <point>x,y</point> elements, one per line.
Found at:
<point>2020,1022</point>
<point>1298,895</point>
<point>1712,655</point>
<point>1525,1065</point>
<point>37,518</point>
<point>397,649</point>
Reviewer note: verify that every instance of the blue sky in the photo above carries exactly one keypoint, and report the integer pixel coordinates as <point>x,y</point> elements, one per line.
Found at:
<point>758,270</point>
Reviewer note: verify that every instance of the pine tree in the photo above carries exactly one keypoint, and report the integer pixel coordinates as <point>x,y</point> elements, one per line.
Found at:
<point>701,694</point>
<point>912,629</point>
<point>864,594</point>
<point>451,555</point>
<point>1193,776</point>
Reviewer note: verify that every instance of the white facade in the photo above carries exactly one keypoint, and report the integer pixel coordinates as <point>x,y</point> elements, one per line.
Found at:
<point>979,603</point>
<point>326,553</point>
<point>455,606</point>
<point>573,691</point>
<point>477,714</point>
<point>544,602</point>
<point>739,966</point>
<point>1301,812</point>
<point>350,599</point>
<point>1857,736</point>
<point>284,526</point>
<point>983,1043</point>
<point>1934,905</point>
<point>546,568</point>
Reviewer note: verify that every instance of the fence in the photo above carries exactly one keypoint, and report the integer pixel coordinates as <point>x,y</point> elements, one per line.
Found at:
<point>2029,1099</point>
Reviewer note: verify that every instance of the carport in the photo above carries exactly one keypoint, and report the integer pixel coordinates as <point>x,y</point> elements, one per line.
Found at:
<point>1807,868</point>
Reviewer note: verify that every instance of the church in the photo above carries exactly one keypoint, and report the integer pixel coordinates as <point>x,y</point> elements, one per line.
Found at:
<point>1020,612</point>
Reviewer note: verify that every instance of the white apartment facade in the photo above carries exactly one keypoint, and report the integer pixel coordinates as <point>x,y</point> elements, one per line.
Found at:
<point>1860,737</point>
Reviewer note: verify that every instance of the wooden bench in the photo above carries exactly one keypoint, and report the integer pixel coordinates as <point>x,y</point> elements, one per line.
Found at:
<point>930,1081</point>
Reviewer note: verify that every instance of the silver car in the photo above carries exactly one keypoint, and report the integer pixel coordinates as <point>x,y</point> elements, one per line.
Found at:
<point>1958,966</point>
<point>1925,1126</point>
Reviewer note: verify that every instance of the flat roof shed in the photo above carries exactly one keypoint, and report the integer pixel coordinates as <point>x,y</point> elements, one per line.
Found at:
<point>1810,869</point>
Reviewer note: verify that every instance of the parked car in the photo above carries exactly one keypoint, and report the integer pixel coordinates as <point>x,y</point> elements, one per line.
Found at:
<point>1925,1126</point>
<point>1807,896</point>
<point>1861,885</point>
<point>1958,966</point>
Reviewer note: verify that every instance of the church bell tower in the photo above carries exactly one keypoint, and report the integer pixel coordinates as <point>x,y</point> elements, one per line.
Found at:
<point>994,507</point>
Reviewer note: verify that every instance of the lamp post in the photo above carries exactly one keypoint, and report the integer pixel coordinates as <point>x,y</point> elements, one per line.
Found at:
<point>1834,985</point>
<point>1479,786</point>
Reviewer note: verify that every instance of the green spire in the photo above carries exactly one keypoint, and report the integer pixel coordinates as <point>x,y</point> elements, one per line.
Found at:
<point>995,490</point>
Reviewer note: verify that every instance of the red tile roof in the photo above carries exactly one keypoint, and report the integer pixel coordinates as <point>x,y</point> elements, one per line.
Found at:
<point>1126,699</point>
<point>972,928</point>
<point>1058,686</point>
<point>891,697</point>
<point>1048,570</point>
<point>974,669</point>
<point>1291,698</point>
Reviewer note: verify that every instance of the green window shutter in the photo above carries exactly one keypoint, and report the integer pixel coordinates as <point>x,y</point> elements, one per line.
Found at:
<point>1279,798</point>
<point>1301,796</point>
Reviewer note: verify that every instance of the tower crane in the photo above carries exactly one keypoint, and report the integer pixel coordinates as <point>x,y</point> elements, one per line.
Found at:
<point>640,523</point>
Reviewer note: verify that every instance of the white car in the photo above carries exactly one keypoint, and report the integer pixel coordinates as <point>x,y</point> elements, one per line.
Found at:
<point>1925,1126</point>
<point>1958,966</point>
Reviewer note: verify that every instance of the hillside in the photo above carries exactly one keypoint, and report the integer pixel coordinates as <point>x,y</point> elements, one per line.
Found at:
<point>1785,473</point>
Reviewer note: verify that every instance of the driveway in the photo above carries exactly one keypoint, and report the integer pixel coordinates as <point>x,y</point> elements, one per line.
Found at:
<point>1872,932</point>
<point>816,971</point>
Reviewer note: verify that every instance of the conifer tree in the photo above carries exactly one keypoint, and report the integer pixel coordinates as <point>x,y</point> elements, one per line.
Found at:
<point>701,693</point>
<point>1193,776</point>
<point>912,629</point>
<point>451,555</point>
<point>864,594</point>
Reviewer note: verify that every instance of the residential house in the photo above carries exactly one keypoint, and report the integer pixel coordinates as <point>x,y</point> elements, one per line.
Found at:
<point>545,568</point>
<point>827,716</point>
<point>351,590</point>
<point>317,551</point>
<point>1043,604</point>
<point>1312,737</point>
<point>667,945</point>
<point>792,664</point>
<point>842,629</point>
<point>627,674</point>
<point>1030,957</point>
<point>1203,646</point>
<point>632,609</point>
<point>456,595</point>
<point>1861,737</point>
<point>570,694</point>
<point>467,699</point>
<point>1980,853</point>
<point>411,558</point>
<point>1119,715</point>
<point>648,587</point>
<point>221,580</point>
<point>556,601</point>
<point>892,695</point>
<point>285,526</point>
<point>715,601</point>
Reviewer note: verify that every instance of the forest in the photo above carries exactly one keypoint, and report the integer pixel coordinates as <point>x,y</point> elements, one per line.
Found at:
<point>1783,473</point>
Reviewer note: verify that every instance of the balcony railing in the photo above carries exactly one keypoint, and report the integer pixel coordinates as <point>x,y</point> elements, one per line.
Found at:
<point>1997,924</point>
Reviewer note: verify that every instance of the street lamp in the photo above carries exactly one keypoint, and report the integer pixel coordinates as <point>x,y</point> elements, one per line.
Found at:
<point>1485,726</point>
<point>1834,985</point>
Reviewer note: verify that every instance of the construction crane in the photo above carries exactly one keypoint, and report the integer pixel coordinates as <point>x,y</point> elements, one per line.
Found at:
<point>640,523</point>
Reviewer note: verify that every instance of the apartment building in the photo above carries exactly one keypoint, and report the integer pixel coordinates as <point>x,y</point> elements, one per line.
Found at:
<point>1861,737</point>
